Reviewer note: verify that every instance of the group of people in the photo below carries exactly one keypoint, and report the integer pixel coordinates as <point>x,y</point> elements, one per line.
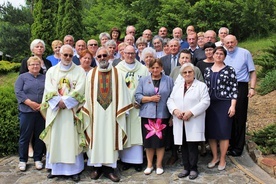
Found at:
<point>125,98</point>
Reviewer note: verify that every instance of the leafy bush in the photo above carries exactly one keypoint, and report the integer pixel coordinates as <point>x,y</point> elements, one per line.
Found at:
<point>6,67</point>
<point>267,61</point>
<point>266,139</point>
<point>268,84</point>
<point>9,131</point>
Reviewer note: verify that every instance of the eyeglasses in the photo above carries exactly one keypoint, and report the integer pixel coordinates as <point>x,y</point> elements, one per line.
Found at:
<point>129,53</point>
<point>102,55</point>
<point>67,55</point>
<point>187,72</point>
<point>34,64</point>
<point>93,44</point>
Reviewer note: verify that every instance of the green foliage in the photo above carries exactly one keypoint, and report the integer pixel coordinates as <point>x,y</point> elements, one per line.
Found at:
<point>9,132</point>
<point>266,139</point>
<point>15,31</point>
<point>6,67</point>
<point>44,22</point>
<point>267,60</point>
<point>268,84</point>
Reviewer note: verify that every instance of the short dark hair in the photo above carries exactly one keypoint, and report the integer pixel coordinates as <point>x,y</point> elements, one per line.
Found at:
<point>222,49</point>
<point>157,60</point>
<point>209,45</point>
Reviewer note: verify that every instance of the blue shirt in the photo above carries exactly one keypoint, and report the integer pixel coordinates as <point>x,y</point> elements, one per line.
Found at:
<point>53,59</point>
<point>241,60</point>
<point>27,86</point>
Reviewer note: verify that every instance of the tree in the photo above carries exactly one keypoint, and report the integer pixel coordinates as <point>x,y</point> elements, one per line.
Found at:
<point>44,22</point>
<point>15,31</point>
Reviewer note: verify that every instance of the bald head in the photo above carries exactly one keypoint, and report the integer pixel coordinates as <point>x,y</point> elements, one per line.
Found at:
<point>230,42</point>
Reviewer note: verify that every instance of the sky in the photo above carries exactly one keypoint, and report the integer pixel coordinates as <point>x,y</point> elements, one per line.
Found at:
<point>15,3</point>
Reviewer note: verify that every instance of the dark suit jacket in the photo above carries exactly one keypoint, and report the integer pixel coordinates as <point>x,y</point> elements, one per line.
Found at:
<point>199,54</point>
<point>166,61</point>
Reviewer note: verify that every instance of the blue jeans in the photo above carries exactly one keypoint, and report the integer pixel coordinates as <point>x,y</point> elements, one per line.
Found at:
<point>31,124</point>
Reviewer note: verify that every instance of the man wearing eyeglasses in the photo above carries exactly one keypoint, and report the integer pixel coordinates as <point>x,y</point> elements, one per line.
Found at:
<point>107,101</point>
<point>132,70</point>
<point>92,46</point>
<point>63,96</point>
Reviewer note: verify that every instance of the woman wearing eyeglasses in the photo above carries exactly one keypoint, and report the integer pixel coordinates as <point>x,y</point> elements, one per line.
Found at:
<point>37,48</point>
<point>187,103</point>
<point>223,89</point>
<point>29,89</point>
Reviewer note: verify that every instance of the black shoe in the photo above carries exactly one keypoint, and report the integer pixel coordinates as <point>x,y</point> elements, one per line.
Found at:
<point>193,175</point>
<point>51,176</point>
<point>96,174</point>
<point>233,153</point>
<point>126,166</point>
<point>183,174</point>
<point>113,177</point>
<point>75,177</point>
<point>138,167</point>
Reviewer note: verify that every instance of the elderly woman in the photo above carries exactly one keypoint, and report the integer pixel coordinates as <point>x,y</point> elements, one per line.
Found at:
<point>148,55</point>
<point>55,58</point>
<point>166,47</point>
<point>187,103</point>
<point>86,60</point>
<point>37,48</point>
<point>222,85</point>
<point>104,37</point>
<point>157,42</point>
<point>200,39</point>
<point>110,45</point>
<point>29,89</point>
<point>141,44</point>
<point>152,94</point>
<point>209,61</point>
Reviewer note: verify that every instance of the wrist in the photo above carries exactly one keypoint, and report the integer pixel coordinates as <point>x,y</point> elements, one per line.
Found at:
<point>252,88</point>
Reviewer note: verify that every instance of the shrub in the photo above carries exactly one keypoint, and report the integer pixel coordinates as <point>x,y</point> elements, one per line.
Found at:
<point>268,84</point>
<point>267,61</point>
<point>266,139</point>
<point>6,67</point>
<point>9,123</point>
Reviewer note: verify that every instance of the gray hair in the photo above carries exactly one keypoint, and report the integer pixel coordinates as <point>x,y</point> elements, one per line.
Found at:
<point>35,42</point>
<point>148,50</point>
<point>141,40</point>
<point>185,65</point>
<point>104,34</point>
<point>166,41</point>
<point>159,38</point>
<point>227,30</point>
<point>65,46</point>
<point>101,48</point>
<point>110,43</point>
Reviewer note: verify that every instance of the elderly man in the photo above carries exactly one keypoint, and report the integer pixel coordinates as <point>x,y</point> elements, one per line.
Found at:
<point>129,40</point>
<point>132,70</point>
<point>241,60</point>
<point>107,101</point>
<point>147,34</point>
<point>69,40</point>
<point>80,46</point>
<point>170,61</point>
<point>130,30</point>
<point>192,40</point>
<point>177,34</point>
<point>199,54</point>
<point>222,33</point>
<point>92,46</point>
<point>163,32</point>
<point>63,95</point>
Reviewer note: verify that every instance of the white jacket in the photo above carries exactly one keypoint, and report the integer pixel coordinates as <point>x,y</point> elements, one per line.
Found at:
<point>197,100</point>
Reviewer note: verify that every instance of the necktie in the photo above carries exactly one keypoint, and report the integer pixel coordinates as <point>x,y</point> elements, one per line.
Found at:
<point>173,63</point>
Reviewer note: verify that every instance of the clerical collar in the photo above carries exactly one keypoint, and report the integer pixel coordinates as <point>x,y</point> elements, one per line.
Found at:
<point>65,67</point>
<point>130,66</point>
